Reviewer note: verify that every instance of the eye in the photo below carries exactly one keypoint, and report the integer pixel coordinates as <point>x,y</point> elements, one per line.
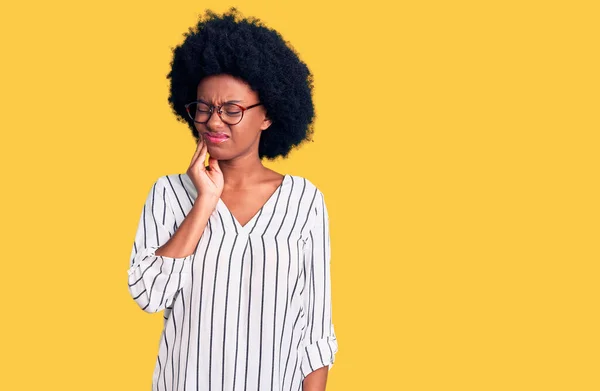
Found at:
<point>231,109</point>
<point>202,108</point>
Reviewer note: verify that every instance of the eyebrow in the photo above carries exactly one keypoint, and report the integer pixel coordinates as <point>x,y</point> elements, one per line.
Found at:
<point>229,101</point>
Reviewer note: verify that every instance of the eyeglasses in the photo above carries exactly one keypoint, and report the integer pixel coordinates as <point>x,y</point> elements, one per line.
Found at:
<point>230,113</point>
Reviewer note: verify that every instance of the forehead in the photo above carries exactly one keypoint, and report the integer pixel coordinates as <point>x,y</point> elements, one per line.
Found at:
<point>223,87</point>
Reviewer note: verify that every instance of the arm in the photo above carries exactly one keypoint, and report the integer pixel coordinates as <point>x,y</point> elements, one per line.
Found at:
<point>319,340</point>
<point>161,258</point>
<point>316,380</point>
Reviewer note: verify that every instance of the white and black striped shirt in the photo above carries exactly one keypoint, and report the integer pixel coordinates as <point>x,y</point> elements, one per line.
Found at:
<point>250,310</point>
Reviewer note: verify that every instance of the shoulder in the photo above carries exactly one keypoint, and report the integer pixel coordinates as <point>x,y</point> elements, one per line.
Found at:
<point>177,185</point>
<point>308,191</point>
<point>305,183</point>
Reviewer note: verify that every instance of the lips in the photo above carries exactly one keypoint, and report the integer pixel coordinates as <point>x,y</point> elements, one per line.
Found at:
<point>216,137</point>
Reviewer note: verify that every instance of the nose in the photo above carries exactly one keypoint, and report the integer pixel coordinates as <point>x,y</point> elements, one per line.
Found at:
<point>214,121</point>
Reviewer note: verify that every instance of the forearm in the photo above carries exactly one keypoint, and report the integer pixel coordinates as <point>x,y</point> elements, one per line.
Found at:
<point>316,380</point>
<point>186,237</point>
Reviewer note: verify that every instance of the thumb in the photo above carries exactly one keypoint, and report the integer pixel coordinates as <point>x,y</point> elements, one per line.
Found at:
<point>214,165</point>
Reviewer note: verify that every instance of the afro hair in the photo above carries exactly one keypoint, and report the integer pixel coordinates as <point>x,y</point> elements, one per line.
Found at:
<point>245,48</point>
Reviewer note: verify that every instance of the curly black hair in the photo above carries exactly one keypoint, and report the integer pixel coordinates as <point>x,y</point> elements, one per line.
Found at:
<point>245,48</point>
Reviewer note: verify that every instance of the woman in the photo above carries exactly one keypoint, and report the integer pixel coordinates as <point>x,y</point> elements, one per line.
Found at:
<point>237,255</point>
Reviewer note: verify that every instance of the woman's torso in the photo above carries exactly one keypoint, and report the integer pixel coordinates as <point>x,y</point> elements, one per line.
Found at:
<point>238,323</point>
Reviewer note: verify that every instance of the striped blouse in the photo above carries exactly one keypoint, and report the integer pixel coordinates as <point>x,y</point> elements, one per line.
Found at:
<point>250,309</point>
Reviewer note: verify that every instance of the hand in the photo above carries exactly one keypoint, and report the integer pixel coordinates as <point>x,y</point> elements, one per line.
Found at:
<point>209,184</point>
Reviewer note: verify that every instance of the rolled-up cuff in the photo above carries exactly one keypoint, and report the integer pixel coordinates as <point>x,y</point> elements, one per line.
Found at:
<point>318,354</point>
<point>155,279</point>
<point>147,254</point>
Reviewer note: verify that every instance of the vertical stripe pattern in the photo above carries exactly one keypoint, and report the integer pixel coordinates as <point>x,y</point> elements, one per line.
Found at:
<point>250,309</point>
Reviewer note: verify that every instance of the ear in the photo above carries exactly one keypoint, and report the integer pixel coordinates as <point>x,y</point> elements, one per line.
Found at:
<point>266,123</point>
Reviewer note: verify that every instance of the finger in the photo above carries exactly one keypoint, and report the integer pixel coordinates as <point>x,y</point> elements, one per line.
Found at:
<point>202,156</point>
<point>198,150</point>
<point>198,165</point>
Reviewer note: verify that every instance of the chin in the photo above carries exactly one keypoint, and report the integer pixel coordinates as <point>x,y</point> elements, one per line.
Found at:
<point>218,153</point>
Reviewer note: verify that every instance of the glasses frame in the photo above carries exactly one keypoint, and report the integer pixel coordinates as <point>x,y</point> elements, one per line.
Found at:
<point>219,108</point>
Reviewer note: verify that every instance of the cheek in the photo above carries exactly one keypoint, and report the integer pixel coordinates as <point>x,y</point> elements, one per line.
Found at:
<point>200,128</point>
<point>247,133</point>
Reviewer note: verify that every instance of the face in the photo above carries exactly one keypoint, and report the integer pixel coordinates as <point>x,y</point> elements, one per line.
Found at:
<point>243,137</point>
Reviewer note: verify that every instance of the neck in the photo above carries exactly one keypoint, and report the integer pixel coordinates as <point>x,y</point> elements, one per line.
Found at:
<point>242,171</point>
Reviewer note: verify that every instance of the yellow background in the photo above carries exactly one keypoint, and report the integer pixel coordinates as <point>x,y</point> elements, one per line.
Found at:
<point>456,145</point>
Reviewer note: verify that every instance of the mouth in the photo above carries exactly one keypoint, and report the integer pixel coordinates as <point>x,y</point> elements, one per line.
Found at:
<point>215,138</point>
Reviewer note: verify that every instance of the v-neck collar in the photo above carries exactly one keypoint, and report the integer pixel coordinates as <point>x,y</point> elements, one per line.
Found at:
<point>243,229</point>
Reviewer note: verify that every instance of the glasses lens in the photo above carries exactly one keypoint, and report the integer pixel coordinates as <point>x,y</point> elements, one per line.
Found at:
<point>231,114</point>
<point>199,112</point>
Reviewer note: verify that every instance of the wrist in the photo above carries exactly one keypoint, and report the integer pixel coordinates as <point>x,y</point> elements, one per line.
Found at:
<point>206,202</point>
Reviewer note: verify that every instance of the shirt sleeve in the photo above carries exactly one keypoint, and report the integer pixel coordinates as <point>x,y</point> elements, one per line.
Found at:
<point>155,279</point>
<point>319,340</point>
